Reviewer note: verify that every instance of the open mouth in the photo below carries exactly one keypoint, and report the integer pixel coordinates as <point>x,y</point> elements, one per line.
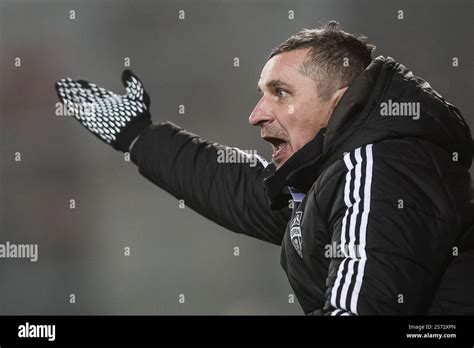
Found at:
<point>281,148</point>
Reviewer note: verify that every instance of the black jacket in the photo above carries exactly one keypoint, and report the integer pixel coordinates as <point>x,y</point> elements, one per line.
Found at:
<point>374,215</point>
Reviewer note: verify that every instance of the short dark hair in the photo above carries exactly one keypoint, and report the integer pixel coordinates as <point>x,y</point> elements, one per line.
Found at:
<point>330,48</point>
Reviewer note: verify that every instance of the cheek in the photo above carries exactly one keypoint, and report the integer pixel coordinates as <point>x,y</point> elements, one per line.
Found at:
<point>304,124</point>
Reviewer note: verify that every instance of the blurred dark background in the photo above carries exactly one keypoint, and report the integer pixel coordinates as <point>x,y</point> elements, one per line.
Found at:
<point>173,251</point>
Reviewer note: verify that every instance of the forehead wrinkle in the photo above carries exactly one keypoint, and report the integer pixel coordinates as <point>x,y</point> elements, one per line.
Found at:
<point>277,83</point>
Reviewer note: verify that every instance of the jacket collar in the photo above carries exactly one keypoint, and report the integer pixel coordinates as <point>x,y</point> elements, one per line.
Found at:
<point>294,172</point>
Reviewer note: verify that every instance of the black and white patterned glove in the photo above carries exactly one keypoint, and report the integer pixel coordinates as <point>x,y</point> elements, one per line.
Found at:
<point>115,119</point>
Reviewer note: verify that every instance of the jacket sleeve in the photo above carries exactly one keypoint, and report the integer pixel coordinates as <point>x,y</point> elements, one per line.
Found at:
<point>396,226</point>
<point>190,168</point>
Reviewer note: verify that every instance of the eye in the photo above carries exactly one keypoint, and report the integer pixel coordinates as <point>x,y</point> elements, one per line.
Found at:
<point>281,92</point>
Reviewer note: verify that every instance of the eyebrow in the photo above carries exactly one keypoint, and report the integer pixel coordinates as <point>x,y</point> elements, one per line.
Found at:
<point>275,83</point>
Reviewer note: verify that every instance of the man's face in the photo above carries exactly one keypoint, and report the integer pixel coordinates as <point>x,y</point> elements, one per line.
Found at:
<point>289,112</point>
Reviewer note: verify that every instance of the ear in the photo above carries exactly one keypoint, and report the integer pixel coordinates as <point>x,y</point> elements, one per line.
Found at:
<point>336,97</point>
<point>330,105</point>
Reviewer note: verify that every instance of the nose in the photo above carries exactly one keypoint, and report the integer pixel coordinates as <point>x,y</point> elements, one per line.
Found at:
<point>260,114</point>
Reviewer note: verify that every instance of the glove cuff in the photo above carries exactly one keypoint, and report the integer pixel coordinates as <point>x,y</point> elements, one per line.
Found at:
<point>133,129</point>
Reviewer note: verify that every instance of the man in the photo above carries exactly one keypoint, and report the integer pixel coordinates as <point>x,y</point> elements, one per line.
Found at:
<point>368,189</point>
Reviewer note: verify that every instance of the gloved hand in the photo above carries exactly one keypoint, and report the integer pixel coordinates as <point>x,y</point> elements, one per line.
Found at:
<point>115,119</point>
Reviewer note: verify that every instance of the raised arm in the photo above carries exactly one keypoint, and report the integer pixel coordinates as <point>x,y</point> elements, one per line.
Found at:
<point>230,194</point>
<point>190,168</point>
